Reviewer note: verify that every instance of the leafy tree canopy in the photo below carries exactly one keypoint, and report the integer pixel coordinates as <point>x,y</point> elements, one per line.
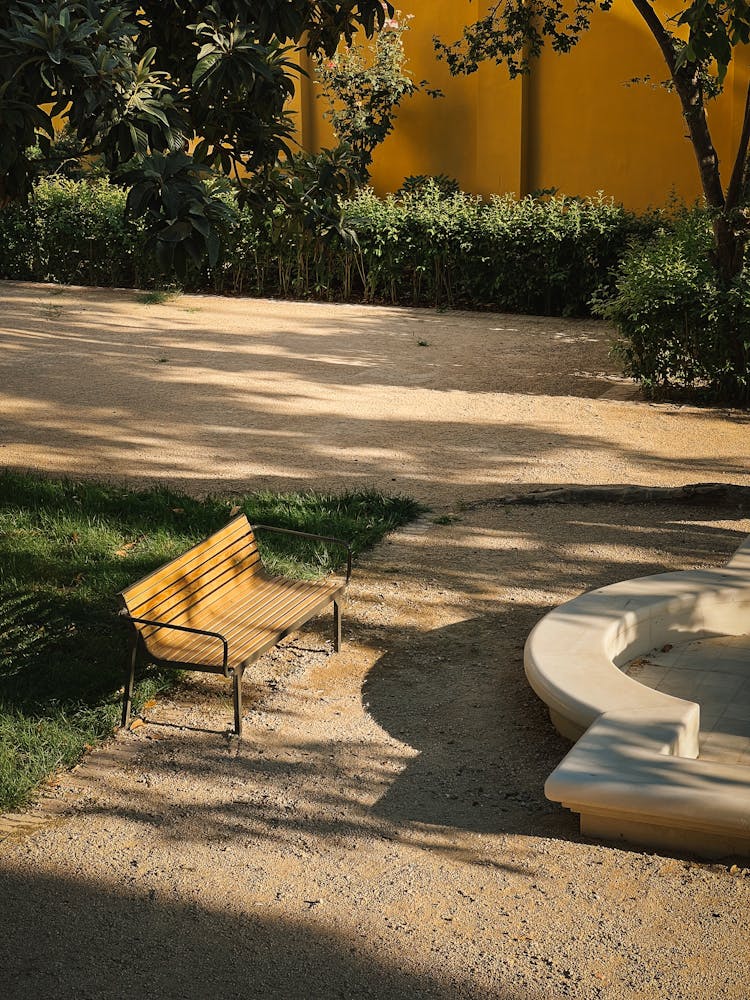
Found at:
<point>167,92</point>
<point>515,31</point>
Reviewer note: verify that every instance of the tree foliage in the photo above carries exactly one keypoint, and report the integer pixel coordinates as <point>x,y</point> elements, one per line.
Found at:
<point>165,93</point>
<point>514,32</point>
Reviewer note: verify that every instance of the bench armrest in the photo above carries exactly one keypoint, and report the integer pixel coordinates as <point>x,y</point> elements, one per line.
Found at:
<point>307,534</point>
<point>182,628</point>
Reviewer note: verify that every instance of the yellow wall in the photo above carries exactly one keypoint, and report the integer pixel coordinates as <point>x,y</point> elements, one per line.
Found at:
<point>573,124</point>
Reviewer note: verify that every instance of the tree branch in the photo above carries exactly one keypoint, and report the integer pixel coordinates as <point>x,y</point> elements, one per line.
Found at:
<point>660,33</point>
<point>689,91</point>
<point>736,182</point>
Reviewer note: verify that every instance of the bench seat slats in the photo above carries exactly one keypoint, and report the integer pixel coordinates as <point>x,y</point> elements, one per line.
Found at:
<point>245,635</point>
<point>220,586</point>
<point>269,605</point>
<point>236,602</point>
<point>197,588</point>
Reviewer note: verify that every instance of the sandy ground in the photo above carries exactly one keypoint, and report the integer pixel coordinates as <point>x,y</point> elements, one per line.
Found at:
<point>381,831</point>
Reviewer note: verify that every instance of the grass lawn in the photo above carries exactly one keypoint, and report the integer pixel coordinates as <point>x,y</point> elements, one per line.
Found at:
<point>66,550</point>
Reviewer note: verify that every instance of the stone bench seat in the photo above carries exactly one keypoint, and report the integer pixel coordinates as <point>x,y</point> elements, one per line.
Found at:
<point>633,774</point>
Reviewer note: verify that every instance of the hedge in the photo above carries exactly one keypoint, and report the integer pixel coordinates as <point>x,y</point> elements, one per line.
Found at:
<point>546,256</point>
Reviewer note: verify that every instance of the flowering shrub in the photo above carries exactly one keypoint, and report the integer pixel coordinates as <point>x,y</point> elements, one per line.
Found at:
<point>364,85</point>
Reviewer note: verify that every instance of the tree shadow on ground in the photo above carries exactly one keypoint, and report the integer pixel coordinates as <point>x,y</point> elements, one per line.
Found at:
<point>484,742</point>
<point>337,397</point>
<point>75,940</point>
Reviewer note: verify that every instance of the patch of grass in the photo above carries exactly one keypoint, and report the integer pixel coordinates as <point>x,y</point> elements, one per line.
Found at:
<point>445,519</point>
<point>157,297</point>
<point>66,550</point>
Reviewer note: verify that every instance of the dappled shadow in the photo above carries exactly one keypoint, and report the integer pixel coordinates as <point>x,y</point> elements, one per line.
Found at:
<point>72,938</point>
<point>289,394</point>
<point>326,344</point>
<point>458,695</point>
<point>458,742</point>
<point>471,710</point>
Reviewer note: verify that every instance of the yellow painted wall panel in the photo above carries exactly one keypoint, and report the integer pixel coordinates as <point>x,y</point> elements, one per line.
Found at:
<point>589,130</point>
<point>574,124</point>
<point>433,136</point>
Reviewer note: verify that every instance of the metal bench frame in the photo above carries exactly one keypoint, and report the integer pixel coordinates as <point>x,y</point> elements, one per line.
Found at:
<point>139,643</point>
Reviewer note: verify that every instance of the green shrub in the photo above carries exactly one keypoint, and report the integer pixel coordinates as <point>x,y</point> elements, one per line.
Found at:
<point>678,328</point>
<point>425,247</point>
<point>415,183</point>
<point>545,257</point>
<point>73,232</point>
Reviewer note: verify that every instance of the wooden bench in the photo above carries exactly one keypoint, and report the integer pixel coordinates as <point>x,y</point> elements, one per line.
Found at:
<point>216,609</point>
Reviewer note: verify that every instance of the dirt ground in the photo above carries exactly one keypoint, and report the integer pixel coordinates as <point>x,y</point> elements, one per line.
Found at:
<point>381,831</point>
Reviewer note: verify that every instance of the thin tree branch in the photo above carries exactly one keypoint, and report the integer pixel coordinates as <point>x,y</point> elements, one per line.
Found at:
<point>734,191</point>
<point>660,33</point>
<point>689,91</point>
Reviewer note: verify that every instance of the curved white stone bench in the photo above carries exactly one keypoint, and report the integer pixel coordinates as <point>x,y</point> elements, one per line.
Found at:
<point>633,775</point>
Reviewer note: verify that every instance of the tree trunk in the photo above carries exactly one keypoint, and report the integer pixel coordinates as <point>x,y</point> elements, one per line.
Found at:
<point>730,235</point>
<point>729,247</point>
<point>731,227</point>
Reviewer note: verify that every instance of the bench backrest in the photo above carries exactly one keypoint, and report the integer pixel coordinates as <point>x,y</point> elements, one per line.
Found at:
<point>205,574</point>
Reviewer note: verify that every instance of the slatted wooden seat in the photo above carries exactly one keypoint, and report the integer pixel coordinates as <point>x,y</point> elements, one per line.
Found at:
<point>216,609</point>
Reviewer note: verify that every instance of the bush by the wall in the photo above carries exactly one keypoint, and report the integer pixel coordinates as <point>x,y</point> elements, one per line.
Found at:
<point>422,248</point>
<point>545,257</point>
<point>425,248</point>
<point>73,232</point>
<point>678,328</point>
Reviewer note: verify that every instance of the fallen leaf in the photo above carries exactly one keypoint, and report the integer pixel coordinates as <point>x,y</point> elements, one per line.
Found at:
<point>137,723</point>
<point>151,703</point>
<point>178,510</point>
<point>128,547</point>
<point>235,510</point>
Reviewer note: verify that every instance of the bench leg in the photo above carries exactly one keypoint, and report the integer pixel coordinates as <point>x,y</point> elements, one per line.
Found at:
<point>237,684</point>
<point>127,702</point>
<point>336,626</point>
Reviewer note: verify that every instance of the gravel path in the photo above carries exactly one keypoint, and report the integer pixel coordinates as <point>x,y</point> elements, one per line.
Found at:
<point>381,831</point>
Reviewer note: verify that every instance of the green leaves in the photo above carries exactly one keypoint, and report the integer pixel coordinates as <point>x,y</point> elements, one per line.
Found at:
<point>138,80</point>
<point>301,203</point>
<point>364,89</point>
<point>183,219</point>
<point>715,30</point>
<point>680,328</point>
<point>514,32</point>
